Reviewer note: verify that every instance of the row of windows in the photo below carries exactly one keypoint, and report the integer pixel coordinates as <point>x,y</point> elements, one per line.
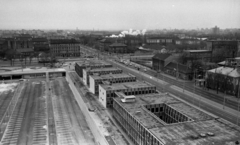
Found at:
<point>138,134</point>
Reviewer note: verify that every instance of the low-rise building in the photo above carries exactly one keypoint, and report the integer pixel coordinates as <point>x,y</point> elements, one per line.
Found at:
<point>158,61</point>
<point>118,48</point>
<point>178,70</point>
<point>101,71</point>
<point>224,79</point>
<point>160,119</point>
<point>95,80</point>
<point>90,63</point>
<point>159,40</point>
<point>107,91</point>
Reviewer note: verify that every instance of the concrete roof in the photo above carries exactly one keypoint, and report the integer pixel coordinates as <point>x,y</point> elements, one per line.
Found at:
<point>102,69</point>
<point>197,51</point>
<point>31,71</point>
<point>92,62</point>
<point>181,133</point>
<point>110,76</point>
<point>128,85</point>
<point>225,71</point>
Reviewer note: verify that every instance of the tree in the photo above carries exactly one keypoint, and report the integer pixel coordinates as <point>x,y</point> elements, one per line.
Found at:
<point>10,55</point>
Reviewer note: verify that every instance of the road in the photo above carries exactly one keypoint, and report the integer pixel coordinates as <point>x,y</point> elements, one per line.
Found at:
<point>167,88</point>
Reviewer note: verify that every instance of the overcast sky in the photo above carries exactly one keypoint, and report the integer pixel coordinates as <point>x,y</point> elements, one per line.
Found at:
<point>119,14</point>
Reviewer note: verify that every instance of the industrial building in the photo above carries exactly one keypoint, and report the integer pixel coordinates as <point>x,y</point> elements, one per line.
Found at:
<point>89,63</point>
<point>100,71</point>
<point>95,80</point>
<point>107,91</point>
<point>160,119</point>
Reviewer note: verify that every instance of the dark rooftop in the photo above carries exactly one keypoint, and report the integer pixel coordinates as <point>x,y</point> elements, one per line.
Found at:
<point>161,56</point>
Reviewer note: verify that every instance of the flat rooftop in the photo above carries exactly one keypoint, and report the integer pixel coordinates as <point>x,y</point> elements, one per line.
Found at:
<point>92,62</point>
<point>112,76</point>
<point>198,51</point>
<point>128,85</point>
<point>32,71</point>
<point>103,69</point>
<point>182,132</point>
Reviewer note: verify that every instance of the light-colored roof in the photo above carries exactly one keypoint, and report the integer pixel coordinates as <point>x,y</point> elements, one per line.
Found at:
<point>112,76</point>
<point>184,132</point>
<point>198,51</point>
<point>232,72</point>
<point>92,62</point>
<point>31,71</point>
<point>95,70</point>
<point>128,85</point>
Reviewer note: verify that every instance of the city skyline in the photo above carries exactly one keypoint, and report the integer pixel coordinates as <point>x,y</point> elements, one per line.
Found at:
<point>119,15</point>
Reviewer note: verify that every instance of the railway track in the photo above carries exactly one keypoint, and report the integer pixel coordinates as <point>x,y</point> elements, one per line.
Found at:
<point>62,122</point>
<point>14,126</point>
<point>4,102</point>
<point>26,125</point>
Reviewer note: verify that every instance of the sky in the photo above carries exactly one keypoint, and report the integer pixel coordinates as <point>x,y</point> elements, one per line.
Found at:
<point>119,14</point>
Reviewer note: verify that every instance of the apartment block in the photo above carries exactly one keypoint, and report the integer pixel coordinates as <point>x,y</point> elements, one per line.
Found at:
<point>101,71</point>
<point>95,80</point>
<point>107,91</point>
<point>160,119</point>
<point>90,63</point>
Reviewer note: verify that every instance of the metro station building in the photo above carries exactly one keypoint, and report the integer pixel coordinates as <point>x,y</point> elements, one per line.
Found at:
<point>95,80</point>
<point>107,91</point>
<point>101,71</point>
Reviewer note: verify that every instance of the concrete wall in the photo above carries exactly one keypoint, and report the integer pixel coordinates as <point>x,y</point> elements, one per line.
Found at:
<point>92,85</point>
<point>99,138</point>
<point>102,96</point>
<point>84,77</point>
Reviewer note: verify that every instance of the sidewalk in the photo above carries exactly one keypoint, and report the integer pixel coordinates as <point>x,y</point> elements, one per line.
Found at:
<point>214,92</point>
<point>207,101</point>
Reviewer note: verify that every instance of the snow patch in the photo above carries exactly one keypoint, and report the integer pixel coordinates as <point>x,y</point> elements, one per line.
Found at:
<point>100,124</point>
<point>34,83</point>
<point>7,87</point>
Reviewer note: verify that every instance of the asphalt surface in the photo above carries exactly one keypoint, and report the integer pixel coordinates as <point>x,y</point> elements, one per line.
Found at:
<point>46,112</point>
<point>187,86</point>
<point>196,102</point>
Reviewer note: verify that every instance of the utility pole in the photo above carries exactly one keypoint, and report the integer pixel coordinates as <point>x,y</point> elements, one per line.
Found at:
<point>238,115</point>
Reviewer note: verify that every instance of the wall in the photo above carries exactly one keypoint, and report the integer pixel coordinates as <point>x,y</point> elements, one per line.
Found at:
<point>102,96</point>
<point>92,85</point>
<point>84,77</point>
<point>99,138</point>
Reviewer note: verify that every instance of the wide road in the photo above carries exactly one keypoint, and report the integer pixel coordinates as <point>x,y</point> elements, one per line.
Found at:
<point>196,102</point>
<point>187,86</point>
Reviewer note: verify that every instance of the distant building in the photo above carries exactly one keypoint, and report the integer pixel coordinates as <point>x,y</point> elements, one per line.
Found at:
<point>178,70</point>
<point>222,49</point>
<point>187,41</point>
<point>118,48</point>
<point>159,40</point>
<point>158,61</point>
<point>95,80</point>
<point>216,30</point>
<point>191,56</point>
<point>65,47</point>
<point>41,44</point>
<point>107,91</point>
<point>224,79</point>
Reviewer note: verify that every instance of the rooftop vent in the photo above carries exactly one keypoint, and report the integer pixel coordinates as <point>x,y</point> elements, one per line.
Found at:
<point>127,99</point>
